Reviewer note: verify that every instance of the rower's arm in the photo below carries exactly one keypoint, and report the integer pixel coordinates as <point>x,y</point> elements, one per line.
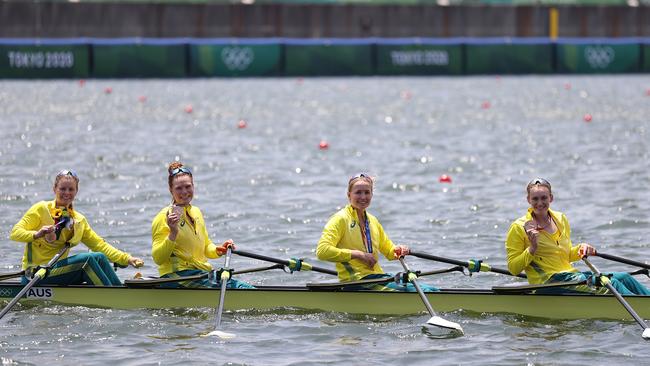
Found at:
<point>327,249</point>
<point>517,253</point>
<point>161,246</point>
<point>28,225</point>
<point>97,244</point>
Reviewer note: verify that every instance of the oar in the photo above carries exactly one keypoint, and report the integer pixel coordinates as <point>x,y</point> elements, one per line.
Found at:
<point>623,260</point>
<point>522,289</point>
<point>225,276</point>
<point>605,281</point>
<point>293,264</point>
<point>472,265</point>
<point>435,319</point>
<point>40,274</point>
<point>6,276</point>
<point>374,281</point>
<point>142,283</point>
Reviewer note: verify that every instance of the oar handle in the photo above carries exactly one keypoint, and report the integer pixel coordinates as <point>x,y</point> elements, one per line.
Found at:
<point>467,264</point>
<point>623,260</point>
<point>290,264</point>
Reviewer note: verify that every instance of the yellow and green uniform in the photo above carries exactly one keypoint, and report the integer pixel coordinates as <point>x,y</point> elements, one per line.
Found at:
<point>190,251</point>
<point>90,268</point>
<point>553,257</point>
<point>342,234</point>
<point>554,253</point>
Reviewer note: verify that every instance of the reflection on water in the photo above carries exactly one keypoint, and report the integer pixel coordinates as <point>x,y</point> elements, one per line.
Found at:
<point>271,188</point>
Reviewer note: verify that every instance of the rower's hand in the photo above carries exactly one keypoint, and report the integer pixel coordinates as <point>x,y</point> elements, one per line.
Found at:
<point>585,250</point>
<point>173,218</point>
<point>224,247</point>
<point>364,257</point>
<point>136,262</point>
<point>401,251</point>
<point>46,232</point>
<point>531,231</point>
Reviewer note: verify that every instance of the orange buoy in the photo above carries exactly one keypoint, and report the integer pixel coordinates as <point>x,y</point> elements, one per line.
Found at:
<point>444,179</point>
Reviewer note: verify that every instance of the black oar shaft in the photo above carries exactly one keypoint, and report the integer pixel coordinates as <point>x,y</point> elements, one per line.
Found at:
<point>40,274</point>
<point>616,294</point>
<point>6,276</point>
<point>623,260</point>
<point>462,263</point>
<point>282,261</point>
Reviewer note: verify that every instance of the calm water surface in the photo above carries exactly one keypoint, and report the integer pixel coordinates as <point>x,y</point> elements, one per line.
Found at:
<point>271,189</point>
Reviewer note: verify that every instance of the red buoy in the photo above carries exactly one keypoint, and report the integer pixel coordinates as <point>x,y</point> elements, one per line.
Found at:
<point>82,82</point>
<point>567,86</point>
<point>108,90</point>
<point>241,124</point>
<point>188,108</point>
<point>142,99</point>
<point>587,117</point>
<point>323,145</point>
<point>486,105</point>
<point>444,179</point>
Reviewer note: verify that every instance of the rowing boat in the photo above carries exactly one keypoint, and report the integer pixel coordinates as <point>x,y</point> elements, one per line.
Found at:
<point>268,298</point>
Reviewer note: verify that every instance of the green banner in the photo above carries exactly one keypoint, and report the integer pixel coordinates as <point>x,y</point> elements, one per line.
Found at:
<point>598,58</point>
<point>235,60</point>
<point>46,61</point>
<point>508,58</point>
<point>328,60</point>
<point>418,59</point>
<point>646,58</point>
<point>136,60</point>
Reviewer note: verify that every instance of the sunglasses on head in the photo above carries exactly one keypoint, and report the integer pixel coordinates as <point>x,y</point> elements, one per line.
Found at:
<point>180,170</point>
<point>540,181</point>
<point>67,172</point>
<point>357,176</point>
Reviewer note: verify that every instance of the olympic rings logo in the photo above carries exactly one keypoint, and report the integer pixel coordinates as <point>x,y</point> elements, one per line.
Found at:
<point>599,57</point>
<point>237,58</point>
<point>5,292</point>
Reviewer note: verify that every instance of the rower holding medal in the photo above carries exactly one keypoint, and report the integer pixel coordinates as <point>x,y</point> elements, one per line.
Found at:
<point>50,226</point>
<point>540,244</point>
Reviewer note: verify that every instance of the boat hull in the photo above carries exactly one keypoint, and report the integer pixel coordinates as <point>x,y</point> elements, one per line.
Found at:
<point>357,302</point>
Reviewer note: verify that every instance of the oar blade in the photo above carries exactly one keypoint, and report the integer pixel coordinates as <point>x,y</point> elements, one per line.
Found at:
<point>221,334</point>
<point>646,334</point>
<point>443,323</point>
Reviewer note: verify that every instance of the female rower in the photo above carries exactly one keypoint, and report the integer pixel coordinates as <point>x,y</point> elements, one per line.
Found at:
<point>49,225</point>
<point>353,237</point>
<point>540,243</point>
<point>181,244</point>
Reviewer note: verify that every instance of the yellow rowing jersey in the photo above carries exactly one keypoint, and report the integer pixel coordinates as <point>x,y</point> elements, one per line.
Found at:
<point>192,246</point>
<point>554,254</point>
<point>342,234</point>
<point>39,251</point>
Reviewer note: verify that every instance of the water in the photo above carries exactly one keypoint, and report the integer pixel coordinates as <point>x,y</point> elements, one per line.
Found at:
<point>271,189</point>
